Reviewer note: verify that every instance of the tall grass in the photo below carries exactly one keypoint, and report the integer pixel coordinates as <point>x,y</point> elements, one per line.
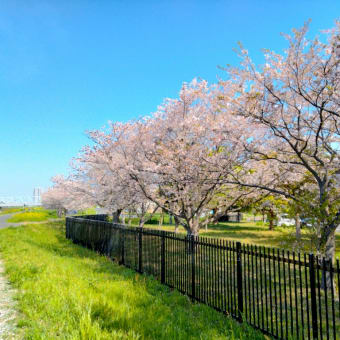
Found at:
<point>68,292</point>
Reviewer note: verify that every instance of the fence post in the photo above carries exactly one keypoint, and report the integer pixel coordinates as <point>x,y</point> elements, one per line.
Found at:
<point>193,286</point>
<point>313,296</point>
<point>123,245</point>
<point>140,251</point>
<point>67,227</point>
<point>239,281</point>
<point>162,257</point>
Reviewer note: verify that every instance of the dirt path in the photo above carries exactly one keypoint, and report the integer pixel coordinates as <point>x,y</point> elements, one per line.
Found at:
<point>7,311</point>
<point>3,221</point>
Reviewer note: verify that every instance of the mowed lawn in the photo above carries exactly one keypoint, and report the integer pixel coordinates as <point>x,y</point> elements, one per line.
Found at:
<point>255,233</point>
<point>65,291</point>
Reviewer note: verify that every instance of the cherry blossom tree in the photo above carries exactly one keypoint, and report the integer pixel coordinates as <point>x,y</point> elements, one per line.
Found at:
<point>70,193</point>
<point>269,130</point>
<point>175,156</point>
<point>55,198</point>
<point>109,171</point>
<point>64,195</point>
<point>271,206</point>
<point>295,98</point>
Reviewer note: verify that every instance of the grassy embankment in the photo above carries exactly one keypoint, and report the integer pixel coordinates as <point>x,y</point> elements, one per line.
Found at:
<point>68,292</point>
<point>250,232</point>
<point>36,214</point>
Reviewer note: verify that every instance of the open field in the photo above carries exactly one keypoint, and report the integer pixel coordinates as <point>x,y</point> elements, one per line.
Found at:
<point>250,232</point>
<point>68,292</point>
<point>33,215</point>
<point>5,211</point>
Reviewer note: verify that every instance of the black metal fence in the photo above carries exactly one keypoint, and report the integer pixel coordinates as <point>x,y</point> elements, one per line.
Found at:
<point>285,294</point>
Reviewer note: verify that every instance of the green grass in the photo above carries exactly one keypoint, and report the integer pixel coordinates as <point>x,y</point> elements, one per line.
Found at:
<point>258,233</point>
<point>88,211</point>
<point>65,291</point>
<point>5,211</point>
<point>252,233</point>
<point>35,215</point>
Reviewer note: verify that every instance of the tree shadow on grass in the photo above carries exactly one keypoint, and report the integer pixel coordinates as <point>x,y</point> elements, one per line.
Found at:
<point>240,226</point>
<point>232,235</point>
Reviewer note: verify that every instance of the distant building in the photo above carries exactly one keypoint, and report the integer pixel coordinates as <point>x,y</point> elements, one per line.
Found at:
<point>37,196</point>
<point>231,217</point>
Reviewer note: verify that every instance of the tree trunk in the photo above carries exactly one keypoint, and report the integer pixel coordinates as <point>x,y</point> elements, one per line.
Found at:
<point>271,220</point>
<point>161,219</point>
<point>171,219</point>
<point>330,247</point>
<point>116,215</point>
<point>141,222</point>
<point>193,227</point>
<point>59,212</point>
<point>129,218</point>
<point>238,217</point>
<point>176,224</point>
<point>298,227</point>
<point>271,217</point>
<point>271,224</point>
<point>328,252</point>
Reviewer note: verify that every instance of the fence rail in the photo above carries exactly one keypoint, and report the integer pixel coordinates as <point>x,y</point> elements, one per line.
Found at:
<point>284,294</point>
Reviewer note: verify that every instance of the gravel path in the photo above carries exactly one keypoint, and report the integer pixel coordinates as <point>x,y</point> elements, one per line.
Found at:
<point>7,312</point>
<point>4,223</point>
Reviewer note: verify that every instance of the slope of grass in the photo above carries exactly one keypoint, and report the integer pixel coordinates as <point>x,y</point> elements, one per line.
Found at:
<point>68,292</point>
<point>36,215</point>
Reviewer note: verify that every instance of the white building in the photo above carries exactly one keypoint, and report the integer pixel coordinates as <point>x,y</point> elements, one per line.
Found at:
<point>37,196</point>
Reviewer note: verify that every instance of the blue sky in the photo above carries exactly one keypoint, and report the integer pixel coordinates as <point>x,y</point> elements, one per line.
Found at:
<point>69,66</point>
